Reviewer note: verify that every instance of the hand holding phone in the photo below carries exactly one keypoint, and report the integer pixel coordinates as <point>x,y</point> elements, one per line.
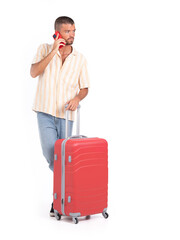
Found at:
<point>57,36</point>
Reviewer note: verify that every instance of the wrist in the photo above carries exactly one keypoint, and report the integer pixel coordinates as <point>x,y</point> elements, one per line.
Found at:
<point>53,51</point>
<point>78,98</point>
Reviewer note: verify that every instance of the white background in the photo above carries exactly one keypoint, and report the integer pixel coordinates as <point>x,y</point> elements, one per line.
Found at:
<point>133,54</point>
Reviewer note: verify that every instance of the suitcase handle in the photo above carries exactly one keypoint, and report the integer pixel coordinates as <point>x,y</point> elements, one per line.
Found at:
<point>77,136</point>
<point>77,122</point>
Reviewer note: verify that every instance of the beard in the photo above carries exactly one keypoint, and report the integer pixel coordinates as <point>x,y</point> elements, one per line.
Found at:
<point>70,41</point>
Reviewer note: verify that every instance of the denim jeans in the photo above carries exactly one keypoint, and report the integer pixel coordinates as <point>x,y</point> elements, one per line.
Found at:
<point>50,129</point>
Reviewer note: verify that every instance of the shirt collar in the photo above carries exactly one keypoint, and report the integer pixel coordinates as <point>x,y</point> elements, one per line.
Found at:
<point>74,52</point>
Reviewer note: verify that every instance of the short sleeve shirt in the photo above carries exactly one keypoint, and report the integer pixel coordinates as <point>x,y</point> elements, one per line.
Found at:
<point>59,82</point>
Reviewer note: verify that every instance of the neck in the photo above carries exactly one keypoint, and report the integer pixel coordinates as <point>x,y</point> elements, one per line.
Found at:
<point>66,49</point>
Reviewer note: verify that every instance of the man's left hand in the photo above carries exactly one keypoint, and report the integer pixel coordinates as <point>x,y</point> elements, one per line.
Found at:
<point>73,104</point>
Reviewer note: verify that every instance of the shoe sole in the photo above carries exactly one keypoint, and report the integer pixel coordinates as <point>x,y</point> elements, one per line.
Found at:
<point>52,214</point>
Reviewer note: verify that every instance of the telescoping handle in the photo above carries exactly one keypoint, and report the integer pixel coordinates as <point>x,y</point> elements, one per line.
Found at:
<point>77,121</point>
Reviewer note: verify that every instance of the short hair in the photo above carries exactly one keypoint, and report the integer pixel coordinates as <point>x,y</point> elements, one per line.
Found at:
<point>60,20</point>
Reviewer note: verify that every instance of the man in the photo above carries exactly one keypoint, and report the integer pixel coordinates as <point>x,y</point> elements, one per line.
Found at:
<point>63,79</point>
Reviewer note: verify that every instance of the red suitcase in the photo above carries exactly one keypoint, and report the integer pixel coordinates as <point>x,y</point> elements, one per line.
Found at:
<point>80,175</point>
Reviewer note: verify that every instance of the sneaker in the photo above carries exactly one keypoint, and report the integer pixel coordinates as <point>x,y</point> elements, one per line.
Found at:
<point>52,214</point>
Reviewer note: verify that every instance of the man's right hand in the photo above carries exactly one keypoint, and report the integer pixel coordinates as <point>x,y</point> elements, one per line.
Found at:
<point>58,43</point>
<point>39,67</point>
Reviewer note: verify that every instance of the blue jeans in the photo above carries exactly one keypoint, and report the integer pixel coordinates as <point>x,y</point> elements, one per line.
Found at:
<point>51,129</point>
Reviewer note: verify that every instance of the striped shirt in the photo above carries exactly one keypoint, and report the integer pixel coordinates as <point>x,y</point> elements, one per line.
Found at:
<point>59,82</point>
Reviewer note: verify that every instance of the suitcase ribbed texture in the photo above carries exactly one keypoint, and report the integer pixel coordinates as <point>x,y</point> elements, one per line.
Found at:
<point>86,176</point>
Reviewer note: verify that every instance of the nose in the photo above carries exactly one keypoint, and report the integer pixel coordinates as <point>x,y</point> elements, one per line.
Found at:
<point>72,34</point>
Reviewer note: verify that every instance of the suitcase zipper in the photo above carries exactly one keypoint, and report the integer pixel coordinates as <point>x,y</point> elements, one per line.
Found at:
<point>63,169</point>
<point>63,175</point>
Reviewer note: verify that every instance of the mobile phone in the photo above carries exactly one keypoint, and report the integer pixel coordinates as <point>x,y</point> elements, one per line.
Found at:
<point>55,35</point>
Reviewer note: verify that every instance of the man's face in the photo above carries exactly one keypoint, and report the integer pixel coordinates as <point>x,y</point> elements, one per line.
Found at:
<point>67,32</point>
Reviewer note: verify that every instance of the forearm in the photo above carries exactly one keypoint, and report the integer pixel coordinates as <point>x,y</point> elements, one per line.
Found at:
<point>73,104</point>
<point>82,93</point>
<point>38,68</point>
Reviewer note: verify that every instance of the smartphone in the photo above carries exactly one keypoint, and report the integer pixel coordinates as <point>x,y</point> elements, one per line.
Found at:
<point>55,35</point>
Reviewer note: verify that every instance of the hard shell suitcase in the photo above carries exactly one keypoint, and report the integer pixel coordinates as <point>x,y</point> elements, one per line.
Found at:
<point>80,175</point>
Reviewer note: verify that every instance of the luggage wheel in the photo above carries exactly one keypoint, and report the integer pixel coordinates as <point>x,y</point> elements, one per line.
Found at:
<point>75,220</point>
<point>57,216</point>
<point>105,214</point>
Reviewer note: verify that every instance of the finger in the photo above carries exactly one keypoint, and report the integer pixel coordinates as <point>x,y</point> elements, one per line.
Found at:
<point>69,106</point>
<point>62,44</point>
<point>74,108</point>
<point>57,36</point>
<point>61,40</point>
